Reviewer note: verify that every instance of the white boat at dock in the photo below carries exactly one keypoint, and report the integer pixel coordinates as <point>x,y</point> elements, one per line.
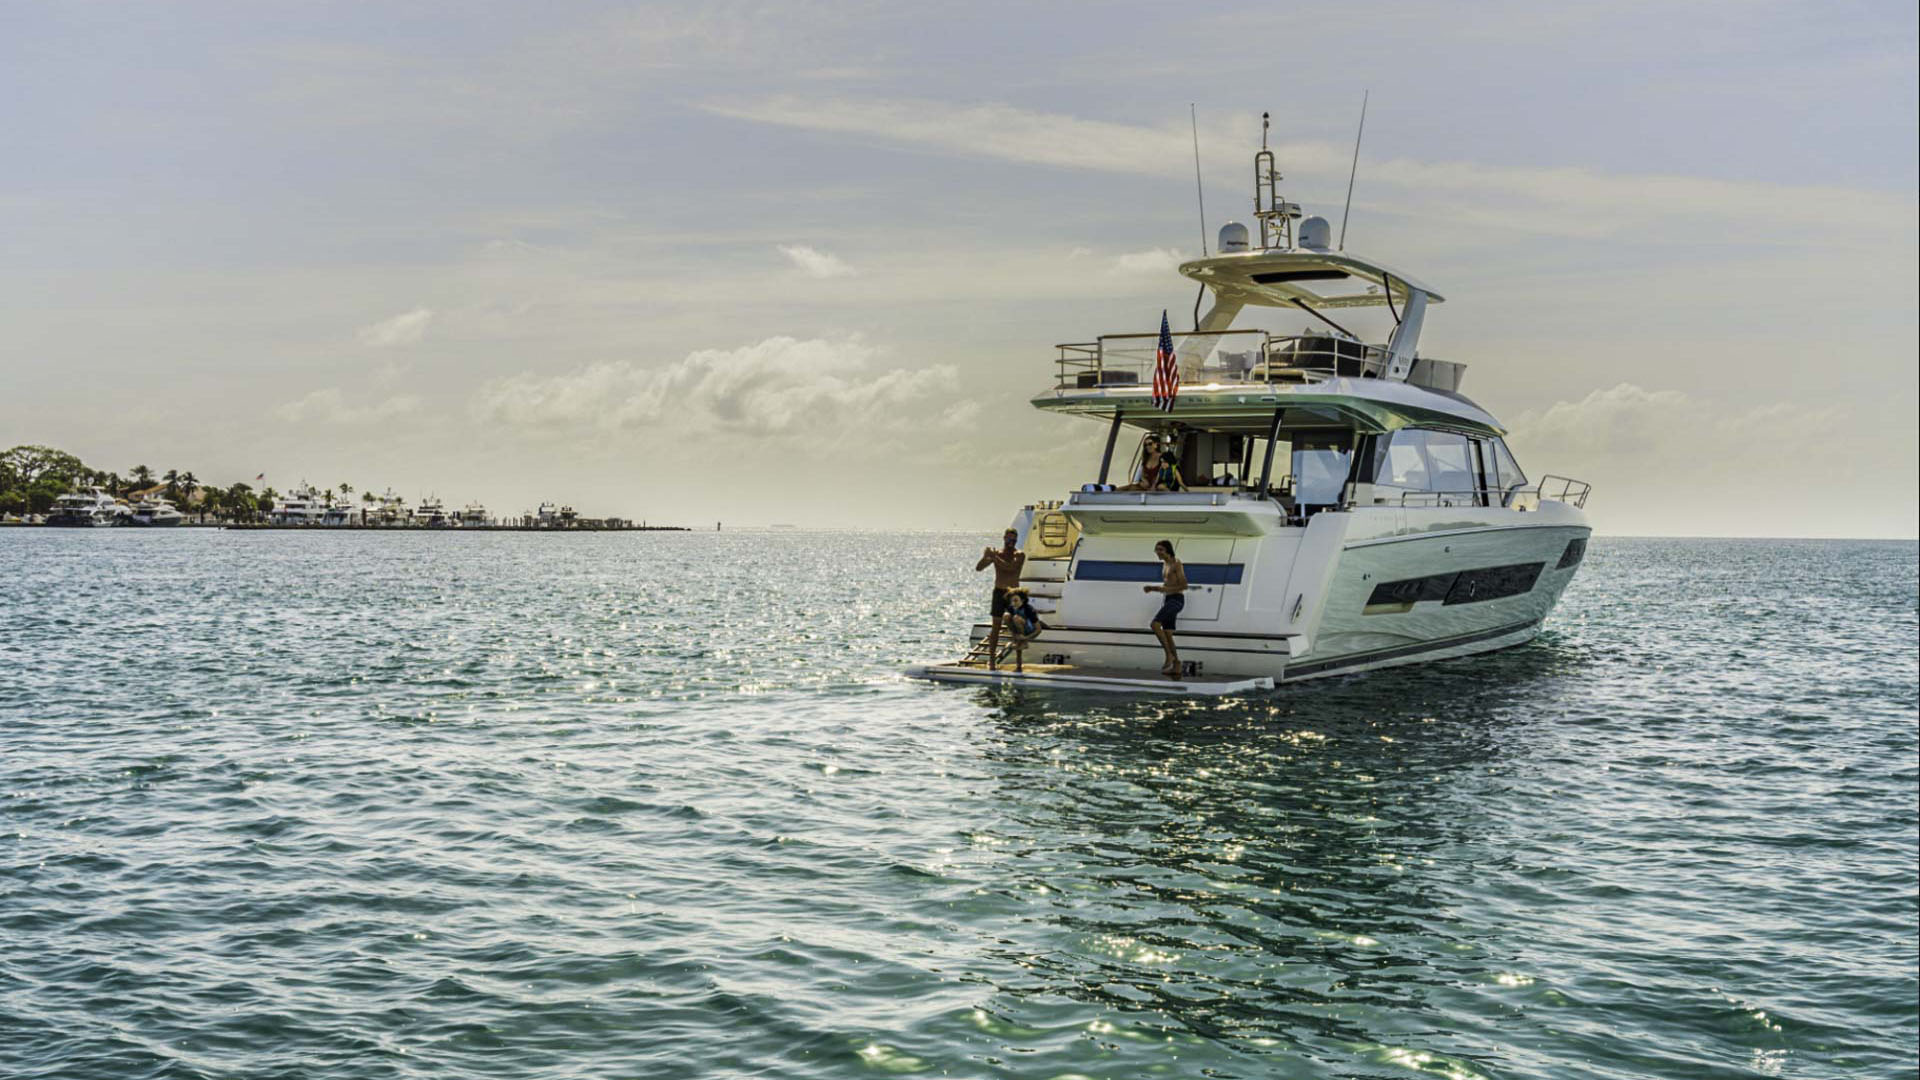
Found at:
<point>155,512</point>
<point>302,506</point>
<point>390,511</point>
<point>432,514</point>
<point>1343,506</point>
<point>87,509</point>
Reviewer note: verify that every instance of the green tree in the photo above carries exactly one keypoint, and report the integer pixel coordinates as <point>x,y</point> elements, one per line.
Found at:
<point>141,476</point>
<point>240,503</point>
<point>31,464</point>
<point>31,477</point>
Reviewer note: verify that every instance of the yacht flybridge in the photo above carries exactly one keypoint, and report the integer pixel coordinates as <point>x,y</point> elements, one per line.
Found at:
<point>1338,504</point>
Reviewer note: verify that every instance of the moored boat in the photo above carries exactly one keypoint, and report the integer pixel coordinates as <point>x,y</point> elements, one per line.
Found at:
<point>302,506</point>
<point>87,509</point>
<point>155,512</point>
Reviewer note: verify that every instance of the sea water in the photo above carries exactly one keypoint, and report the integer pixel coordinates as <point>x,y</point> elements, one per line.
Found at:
<point>450,805</point>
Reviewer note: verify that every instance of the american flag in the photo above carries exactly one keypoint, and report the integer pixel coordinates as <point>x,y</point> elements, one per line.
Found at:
<point>1166,369</point>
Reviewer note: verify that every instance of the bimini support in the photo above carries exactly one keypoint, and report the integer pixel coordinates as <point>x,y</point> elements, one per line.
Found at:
<point>1406,336</point>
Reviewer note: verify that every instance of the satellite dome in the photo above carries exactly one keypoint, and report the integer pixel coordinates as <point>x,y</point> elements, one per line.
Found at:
<point>1316,234</point>
<point>1233,237</point>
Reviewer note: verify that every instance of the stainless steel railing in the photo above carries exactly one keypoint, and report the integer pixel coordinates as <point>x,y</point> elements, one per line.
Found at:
<point>1233,357</point>
<point>1567,490</point>
<point>1549,488</point>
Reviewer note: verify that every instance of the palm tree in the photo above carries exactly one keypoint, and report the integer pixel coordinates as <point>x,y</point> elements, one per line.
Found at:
<point>240,502</point>
<point>142,476</point>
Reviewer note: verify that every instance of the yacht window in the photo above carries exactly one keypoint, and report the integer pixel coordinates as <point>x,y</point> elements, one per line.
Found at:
<point>1510,473</point>
<point>1402,464</point>
<point>1320,463</point>
<point>1451,461</point>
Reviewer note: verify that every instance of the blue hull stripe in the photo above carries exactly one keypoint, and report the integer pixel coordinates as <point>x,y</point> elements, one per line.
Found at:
<point>1197,573</point>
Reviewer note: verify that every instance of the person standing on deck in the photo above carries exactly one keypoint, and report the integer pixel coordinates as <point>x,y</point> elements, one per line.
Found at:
<point>1007,564</point>
<point>1173,585</point>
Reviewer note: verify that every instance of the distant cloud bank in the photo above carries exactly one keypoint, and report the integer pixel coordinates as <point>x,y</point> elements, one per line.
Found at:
<point>403,329</point>
<point>816,264</point>
<point>330,406</point>
<point>777,387</point>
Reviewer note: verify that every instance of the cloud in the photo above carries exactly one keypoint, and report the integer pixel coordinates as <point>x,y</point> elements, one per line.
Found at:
<point>1560,201</point>
<point>1628,423</point>
<point>777,387</point>
<point>983,130</point>
<point>1157,261</point>
<point>1664,462</point>
<point>816,264</point>
<point>403,329</point>
<point>330,406</point>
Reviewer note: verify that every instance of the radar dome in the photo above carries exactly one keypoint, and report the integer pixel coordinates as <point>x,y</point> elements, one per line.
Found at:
<point>1233,237</point>
<point>1316,234</point>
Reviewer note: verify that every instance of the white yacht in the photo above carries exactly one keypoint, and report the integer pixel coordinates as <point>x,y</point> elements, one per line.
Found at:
<point>340,514</point>
<point>302,506</point>
<point>155,512</point>
<point>87,509</point>
<point>432,514</point>
<point>1340,505</point>
<point>392,510</point>
<point>474,516</point>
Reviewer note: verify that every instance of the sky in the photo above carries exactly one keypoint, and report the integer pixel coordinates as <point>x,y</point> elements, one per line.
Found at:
<point>806,263</point>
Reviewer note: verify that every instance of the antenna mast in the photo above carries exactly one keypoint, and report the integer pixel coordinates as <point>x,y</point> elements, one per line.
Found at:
<point>1200,192</point>
<point>1355,170</point>
<point>1275,213</point>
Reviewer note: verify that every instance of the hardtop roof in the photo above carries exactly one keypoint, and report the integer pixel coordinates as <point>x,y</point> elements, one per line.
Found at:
<point>1313,278</point>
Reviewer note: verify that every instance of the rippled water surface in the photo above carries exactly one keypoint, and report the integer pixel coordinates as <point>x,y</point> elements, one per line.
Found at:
<point>656,805</point>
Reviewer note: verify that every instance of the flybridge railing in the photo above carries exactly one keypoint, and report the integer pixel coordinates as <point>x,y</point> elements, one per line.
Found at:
<point>1234,357</point>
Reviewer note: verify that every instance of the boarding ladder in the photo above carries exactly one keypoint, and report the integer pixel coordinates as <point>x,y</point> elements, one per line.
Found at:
<point>977,656</point>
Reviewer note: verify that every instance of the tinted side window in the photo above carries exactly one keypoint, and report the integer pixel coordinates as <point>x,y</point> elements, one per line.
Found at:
<point>1451,460</point>
<point>1510,473</point>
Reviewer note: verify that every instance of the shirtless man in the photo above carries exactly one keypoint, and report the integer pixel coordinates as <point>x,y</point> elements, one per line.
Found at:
<point>1173,585</point>
<point>1007,564</point>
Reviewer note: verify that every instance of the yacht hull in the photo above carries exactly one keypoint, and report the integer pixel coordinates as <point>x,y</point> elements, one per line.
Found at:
<point>1365,593</point>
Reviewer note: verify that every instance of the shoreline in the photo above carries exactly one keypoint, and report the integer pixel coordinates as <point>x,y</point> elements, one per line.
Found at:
<point>268,527</point>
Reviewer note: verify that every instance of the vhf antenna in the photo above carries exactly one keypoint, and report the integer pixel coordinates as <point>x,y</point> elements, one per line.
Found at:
<point>1200,192</point>
<point>1355,170</point>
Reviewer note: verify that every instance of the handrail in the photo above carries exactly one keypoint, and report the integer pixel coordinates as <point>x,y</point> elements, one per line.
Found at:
<point>1481,496</point>
<point>1114,360</point>
<point>1570,491</point>
<point>1568,494</point>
